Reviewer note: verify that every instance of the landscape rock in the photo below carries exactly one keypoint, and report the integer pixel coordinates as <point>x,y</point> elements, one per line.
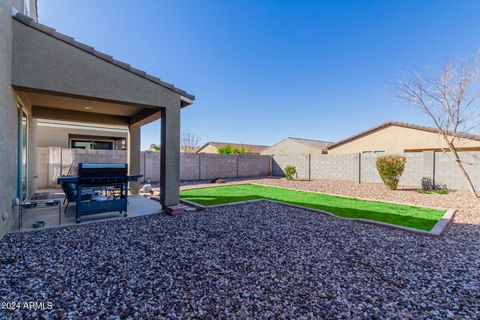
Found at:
<point>256,260</point>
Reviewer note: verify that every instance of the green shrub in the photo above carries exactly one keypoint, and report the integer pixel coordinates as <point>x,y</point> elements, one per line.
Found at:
<point>155,147</point>
<point>227,149</point>
<point>240,150</point>
<point>390,169</point>
<point>290,172</point>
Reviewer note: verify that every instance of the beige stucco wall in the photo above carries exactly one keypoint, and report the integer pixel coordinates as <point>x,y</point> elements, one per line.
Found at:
<point>9,117</point>
<point>211,149</point>
<point>51,134</point>
<point>290,147</point>
<point>49,64</point>
<point>396,139</point>
<point>31,60</point>
<point>208,149</point>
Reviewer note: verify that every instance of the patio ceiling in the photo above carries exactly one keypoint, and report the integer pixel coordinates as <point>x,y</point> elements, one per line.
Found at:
<point>69,108</point>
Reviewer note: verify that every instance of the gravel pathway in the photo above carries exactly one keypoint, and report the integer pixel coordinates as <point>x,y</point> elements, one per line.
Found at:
<point>257,260</point>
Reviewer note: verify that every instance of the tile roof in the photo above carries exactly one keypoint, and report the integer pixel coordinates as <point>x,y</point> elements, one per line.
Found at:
<point>249,147</point>
<point>316,144</point>
<point>67,39</point>
<point>405,125</point>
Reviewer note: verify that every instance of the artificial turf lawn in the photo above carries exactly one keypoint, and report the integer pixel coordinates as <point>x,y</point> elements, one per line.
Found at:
<point>402,215</point>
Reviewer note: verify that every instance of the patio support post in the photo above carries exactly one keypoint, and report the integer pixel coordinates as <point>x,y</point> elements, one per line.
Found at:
<point>133,149</point>
<point>170,157</point>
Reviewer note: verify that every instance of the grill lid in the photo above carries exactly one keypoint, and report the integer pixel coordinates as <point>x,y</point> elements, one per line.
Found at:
<point>102,169</point>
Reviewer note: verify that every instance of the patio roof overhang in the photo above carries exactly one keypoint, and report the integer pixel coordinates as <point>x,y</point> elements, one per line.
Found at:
<point>63,79</point>
<point>66,80</point>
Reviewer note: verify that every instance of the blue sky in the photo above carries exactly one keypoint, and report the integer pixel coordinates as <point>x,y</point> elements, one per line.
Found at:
<point>265,70</point>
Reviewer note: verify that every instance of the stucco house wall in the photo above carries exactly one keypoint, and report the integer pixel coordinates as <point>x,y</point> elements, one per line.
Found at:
<point>212,147</point>
<point>397,139</point>
<point>39,63</point>
<point>9,113</point>
<point>208,149</point>
<point>290,147</point>
<point>57,134</point>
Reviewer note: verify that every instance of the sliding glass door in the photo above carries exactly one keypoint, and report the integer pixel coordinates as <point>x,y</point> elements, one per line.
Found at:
<point>22,173</point>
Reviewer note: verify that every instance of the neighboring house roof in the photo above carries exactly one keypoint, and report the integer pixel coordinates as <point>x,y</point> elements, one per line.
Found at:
<point>315,144</point>
<point>405,125</point>
<point>249,147</point>
<point>193,149</point>
<point>71,41</point>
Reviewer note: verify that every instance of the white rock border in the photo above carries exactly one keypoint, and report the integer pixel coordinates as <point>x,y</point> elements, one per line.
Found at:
<point>436,230</point>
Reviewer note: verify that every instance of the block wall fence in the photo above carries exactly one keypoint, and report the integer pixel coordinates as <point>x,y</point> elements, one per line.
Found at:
<point>53,162</point>
<point>360,168</point>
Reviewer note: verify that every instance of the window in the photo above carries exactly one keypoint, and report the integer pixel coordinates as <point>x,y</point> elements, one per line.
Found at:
<point>92,144</point>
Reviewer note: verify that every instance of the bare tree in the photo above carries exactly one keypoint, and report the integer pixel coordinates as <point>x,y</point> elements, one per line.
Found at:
<point>189,142</point>
<point>448,97</point>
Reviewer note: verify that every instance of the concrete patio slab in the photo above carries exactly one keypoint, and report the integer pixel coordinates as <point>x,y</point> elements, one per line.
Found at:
<point>138,206</point>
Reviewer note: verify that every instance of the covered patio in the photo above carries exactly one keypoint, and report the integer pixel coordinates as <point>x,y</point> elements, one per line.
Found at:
<point>55,77</point>
<point>52,217</point>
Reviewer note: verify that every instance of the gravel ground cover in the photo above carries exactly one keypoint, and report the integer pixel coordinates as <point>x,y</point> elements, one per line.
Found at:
<point>409,216</point>
<point>257,260</point>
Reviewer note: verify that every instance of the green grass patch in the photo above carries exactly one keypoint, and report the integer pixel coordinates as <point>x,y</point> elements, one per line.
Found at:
<point>402,215</point>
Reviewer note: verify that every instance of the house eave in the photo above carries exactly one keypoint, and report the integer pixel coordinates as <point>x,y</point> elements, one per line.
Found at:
<point>105,57</point>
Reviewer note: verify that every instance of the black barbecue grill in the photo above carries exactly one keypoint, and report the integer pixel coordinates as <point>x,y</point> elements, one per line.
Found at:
<point>95,179</point>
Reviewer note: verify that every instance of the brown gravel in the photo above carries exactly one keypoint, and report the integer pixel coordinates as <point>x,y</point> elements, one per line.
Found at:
<point>256,260</point>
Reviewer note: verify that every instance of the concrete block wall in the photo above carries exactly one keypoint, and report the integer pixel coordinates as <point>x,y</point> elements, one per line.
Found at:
<point>299,161</point>
<point>150,165</point>
<point>418,165</point>
<point>42,168</point>
<point>253,165</point>
<point>189,166</point>
<point>361,168</point>
<point>368,169</point>
<point>53,162</point>
<point>334,167</point>
<point>218,166</point>
<point>448,173</point>
<point>63,161</point>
